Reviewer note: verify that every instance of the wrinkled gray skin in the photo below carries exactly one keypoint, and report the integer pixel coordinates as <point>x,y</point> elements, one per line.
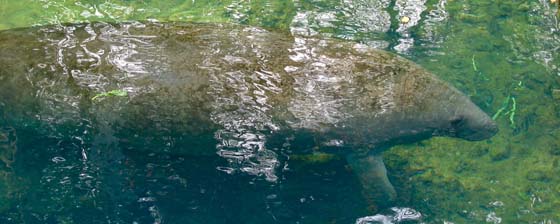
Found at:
<point>231,88</point>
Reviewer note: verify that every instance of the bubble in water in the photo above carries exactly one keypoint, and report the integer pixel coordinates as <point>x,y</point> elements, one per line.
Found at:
<point>400,215</point>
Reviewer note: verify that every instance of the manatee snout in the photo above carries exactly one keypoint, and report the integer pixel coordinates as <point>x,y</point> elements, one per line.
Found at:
<point>473,124</point>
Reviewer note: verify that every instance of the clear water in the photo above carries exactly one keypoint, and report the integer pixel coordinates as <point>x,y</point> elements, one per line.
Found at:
<point>504,55</point>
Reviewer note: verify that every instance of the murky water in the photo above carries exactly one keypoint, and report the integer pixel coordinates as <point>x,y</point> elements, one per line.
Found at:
<point>504,55</point>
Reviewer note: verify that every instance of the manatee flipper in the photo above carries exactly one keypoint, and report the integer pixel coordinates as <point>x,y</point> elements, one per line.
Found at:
<point>372,174</point>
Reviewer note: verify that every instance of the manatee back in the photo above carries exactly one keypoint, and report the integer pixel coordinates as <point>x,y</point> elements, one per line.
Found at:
<point>180,78</point>
<point>231,85</point>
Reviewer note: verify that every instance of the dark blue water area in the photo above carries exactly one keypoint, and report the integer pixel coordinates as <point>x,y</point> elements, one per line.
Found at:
<point>96,179</point>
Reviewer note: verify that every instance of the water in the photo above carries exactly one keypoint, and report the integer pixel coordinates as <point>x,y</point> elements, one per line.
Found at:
<point>504,55</point>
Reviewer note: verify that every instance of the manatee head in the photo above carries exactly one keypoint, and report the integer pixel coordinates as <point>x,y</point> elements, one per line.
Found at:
<point>455,115</point>
<point>471,123</point>
<point>440,109</point>
<point>400,102</point>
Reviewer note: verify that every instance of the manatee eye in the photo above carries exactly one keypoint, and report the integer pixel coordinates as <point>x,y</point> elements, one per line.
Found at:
<point>457,122</point>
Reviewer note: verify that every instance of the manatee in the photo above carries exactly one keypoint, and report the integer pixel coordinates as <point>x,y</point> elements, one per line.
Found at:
<point>229,90</point>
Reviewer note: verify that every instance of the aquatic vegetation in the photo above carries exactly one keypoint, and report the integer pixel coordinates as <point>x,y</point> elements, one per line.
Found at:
<point>510,112</point>
<point>504,107</point>
<point>112,93</point>
<point>474,63</point>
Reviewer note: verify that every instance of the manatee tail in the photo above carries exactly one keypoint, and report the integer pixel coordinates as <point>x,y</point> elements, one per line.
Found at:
<point>372,174</point>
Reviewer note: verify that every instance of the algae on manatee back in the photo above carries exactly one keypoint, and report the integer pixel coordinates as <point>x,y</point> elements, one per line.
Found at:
<point>117,92</point>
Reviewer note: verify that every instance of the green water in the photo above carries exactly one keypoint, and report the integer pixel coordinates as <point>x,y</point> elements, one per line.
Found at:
<point>503,54</point>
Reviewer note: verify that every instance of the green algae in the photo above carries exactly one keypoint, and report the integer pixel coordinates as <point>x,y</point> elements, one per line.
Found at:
<point>502,109</point>
<point>512,112</point>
